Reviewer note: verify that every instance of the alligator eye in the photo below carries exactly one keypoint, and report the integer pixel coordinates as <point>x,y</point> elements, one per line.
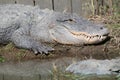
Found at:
<point>70,19</point>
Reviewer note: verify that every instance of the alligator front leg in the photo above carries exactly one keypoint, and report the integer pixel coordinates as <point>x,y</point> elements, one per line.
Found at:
<point>21,39</point>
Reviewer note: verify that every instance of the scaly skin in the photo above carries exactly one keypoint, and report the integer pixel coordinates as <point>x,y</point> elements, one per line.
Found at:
<point>92,66</point>
<point>28,27</point>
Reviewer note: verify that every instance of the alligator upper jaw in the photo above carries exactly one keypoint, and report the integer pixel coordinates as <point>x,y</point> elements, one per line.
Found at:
<point>90,39</point>
<point>64,35</point>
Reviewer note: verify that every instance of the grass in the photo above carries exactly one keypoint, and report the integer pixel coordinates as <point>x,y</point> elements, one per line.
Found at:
<point>2,59</point>
<point>58,74</point>
<point>118,77</point>
<point>10,52</point>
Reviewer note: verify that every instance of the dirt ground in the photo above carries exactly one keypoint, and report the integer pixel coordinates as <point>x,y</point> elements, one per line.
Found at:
<point>107,50</point>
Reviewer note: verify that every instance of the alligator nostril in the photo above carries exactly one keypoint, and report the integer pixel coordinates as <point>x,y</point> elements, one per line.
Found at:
<point>101,27</point>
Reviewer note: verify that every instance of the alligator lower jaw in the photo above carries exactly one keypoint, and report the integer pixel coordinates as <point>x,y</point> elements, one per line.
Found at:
<point>89,39</point>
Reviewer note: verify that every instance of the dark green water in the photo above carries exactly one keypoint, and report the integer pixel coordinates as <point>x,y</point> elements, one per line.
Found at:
<point>44,70</point>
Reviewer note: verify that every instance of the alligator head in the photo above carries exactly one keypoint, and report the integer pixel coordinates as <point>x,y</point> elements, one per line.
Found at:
<point>72,29</point>
<point>67,28</point>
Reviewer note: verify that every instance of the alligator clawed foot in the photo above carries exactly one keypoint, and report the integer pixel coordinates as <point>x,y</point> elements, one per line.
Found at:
<point>47,52</point>
<point>41,49</point>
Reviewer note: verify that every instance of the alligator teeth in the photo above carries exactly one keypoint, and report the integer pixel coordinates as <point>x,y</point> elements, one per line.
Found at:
<point>88,37</point>
<point>100,37</point>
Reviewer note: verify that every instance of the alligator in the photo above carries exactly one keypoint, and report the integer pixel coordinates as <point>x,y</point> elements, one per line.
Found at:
<point>30,27</point>
<point>93,66</point>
